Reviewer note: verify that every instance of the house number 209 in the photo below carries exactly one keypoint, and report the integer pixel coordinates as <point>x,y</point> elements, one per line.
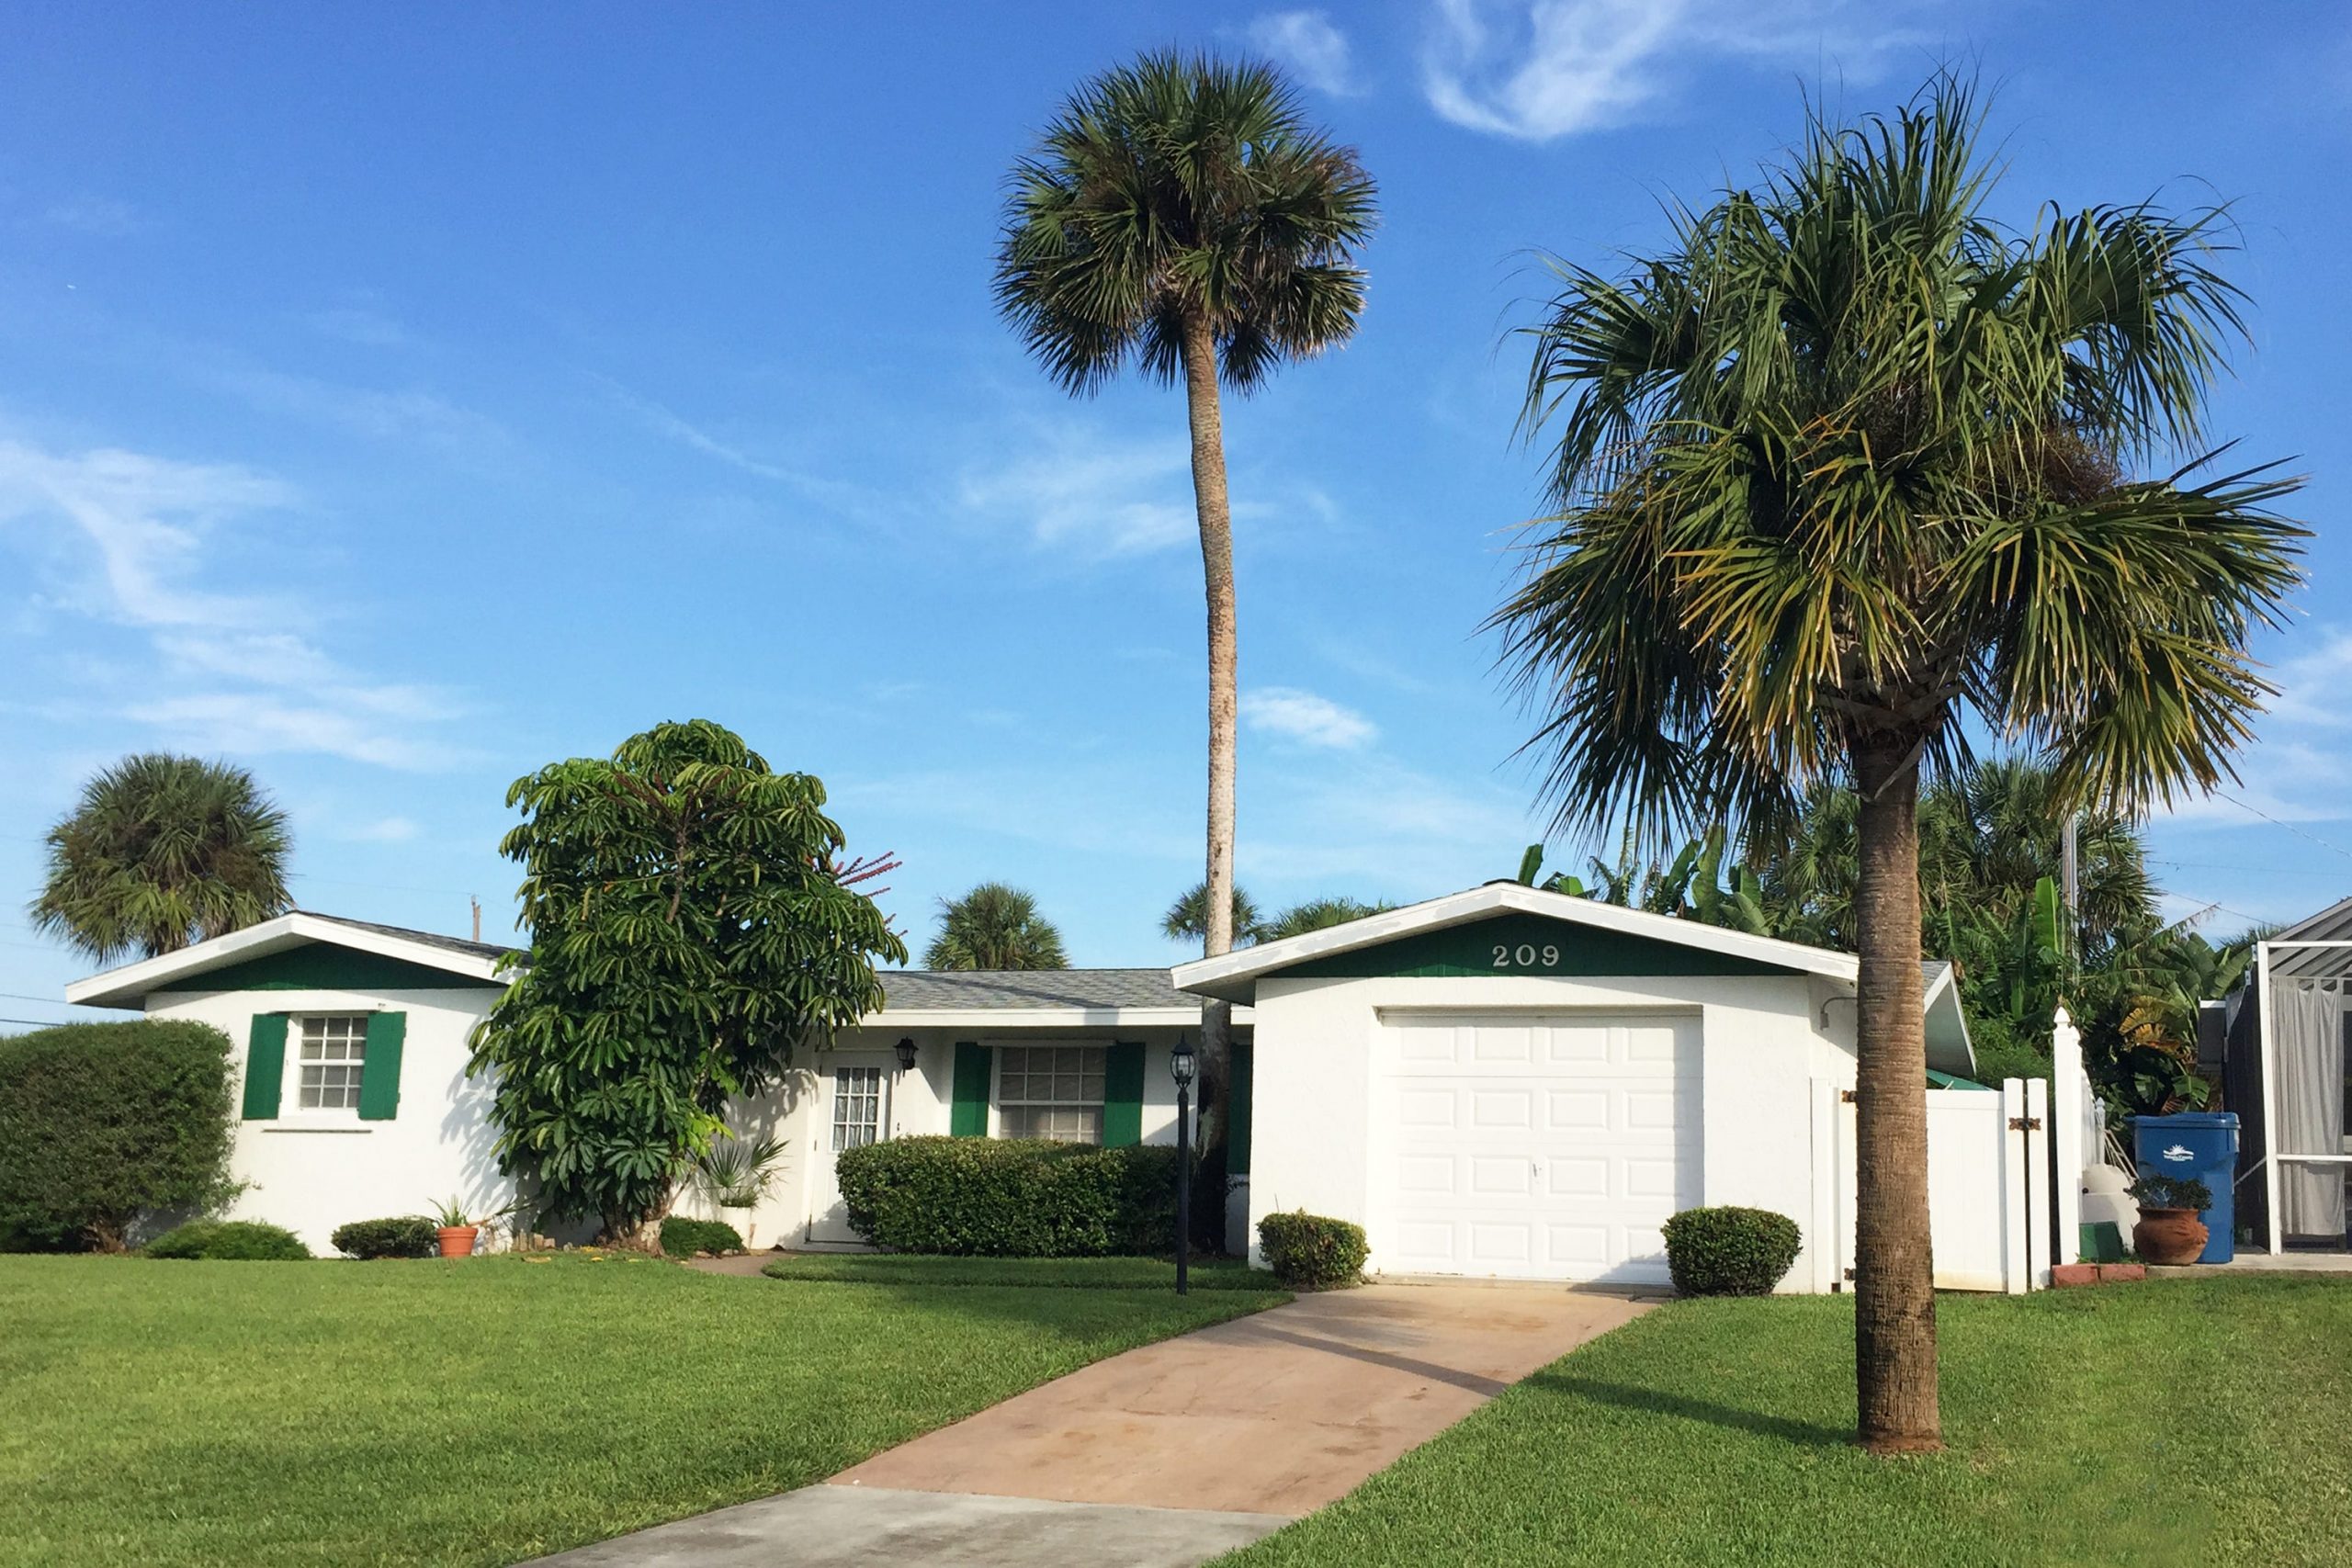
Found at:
<point>1526,956</point>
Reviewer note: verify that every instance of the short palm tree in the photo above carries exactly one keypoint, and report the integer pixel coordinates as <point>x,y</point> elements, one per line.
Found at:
<point>1319,914</point>
<point>995,926</point>
<point>1181,215</point>
<point>1187,919</point>
<point>1850,473</point>
<point>161,851</point>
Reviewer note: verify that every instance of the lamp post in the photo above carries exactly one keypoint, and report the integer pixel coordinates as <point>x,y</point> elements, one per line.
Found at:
<point>1180,1065</point>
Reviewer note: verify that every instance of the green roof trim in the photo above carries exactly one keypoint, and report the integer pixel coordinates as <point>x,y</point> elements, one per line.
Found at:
<point>1953,1080</point>
<point>326,966</point>
<point>1519,943</point>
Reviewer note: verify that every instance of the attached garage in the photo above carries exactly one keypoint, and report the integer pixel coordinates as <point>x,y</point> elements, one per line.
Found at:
<point>1513,1084</point>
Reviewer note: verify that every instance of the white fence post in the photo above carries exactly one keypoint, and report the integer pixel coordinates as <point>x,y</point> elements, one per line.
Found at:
<point>2072,1110</point>
<point>2037,1182</point>
<point>2016,1212</point>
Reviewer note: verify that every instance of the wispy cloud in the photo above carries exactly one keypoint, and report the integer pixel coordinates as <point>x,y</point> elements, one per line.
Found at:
<point>1311,46</point>
<point>99,215</point>
<point>373,412</point>
<point>125,538</point>
<point>1290,714</point>
<point>386,831</point>
<point>1534,70</point>
<point>1093,494</point>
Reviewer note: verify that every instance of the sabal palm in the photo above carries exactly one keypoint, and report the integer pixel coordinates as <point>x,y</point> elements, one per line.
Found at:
<point>161,851</point>
<point>1180,216</point>
<point>1848,467</point>
<point>995,926</point>
<point>1187,919</point>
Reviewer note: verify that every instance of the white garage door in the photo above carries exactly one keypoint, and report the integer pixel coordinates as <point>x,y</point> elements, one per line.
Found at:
<point>1541,1146</point>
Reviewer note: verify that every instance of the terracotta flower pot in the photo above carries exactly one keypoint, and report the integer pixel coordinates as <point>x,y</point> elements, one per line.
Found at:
<point>458,1241</point>
<point>2169,1236</point>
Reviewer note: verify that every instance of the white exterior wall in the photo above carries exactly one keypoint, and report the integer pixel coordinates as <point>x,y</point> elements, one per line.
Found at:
<point>1314,1140</point>
<point>311,1171</point>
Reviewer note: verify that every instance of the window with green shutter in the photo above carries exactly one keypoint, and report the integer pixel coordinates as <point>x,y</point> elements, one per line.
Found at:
<point>1123,1096</point>
<point>967,1104</point>
<point>379,1081</point>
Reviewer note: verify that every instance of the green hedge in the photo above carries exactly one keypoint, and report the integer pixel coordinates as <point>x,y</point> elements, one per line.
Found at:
<point>411,1235</point>
<point>1308,1252</point>
<point>103,1124</point>
<point>682,1237</point>
<point>1730,1251</point>
<point>1010,1197</point>
<point>244,1240</point>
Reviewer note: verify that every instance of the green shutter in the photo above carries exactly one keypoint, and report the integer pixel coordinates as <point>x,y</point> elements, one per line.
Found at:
<point>967,1107</point>
<point>1123,1096</point>
<point>1236,1110</point>
<point>379,1079</point>
<point>264,1066</point>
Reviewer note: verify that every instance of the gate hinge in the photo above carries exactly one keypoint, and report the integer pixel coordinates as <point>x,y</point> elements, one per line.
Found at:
<point>2025,1124</point>
<point>1850,1096</point>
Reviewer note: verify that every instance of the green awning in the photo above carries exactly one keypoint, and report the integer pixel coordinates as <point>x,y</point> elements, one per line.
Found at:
<point>1953,1080</point>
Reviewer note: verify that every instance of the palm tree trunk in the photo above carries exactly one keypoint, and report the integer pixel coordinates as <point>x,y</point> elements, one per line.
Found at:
<point>1215,516</point>
<point>1895,1297</point>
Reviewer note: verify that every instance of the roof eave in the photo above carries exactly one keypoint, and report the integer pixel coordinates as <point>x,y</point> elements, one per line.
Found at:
<point>132,983</point>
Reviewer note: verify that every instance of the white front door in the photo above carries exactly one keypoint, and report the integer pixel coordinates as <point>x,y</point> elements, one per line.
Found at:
<point>857,1112</point>
<point>1539,1146</point>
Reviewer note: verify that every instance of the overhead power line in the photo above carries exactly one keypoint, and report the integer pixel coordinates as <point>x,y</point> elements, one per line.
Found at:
<point>2314,838</point>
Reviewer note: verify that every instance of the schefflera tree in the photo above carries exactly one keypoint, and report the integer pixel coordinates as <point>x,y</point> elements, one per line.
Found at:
<point>695,930</point>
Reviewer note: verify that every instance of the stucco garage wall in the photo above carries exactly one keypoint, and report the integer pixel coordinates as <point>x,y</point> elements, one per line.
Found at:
<point>314,1171</point>
<point>1320,1050</point>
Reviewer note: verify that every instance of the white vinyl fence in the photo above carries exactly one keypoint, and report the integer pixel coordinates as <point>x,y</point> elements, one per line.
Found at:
<point>2004,1174</point>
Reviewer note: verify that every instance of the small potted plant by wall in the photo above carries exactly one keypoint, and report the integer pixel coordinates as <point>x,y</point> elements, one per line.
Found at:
<point>456,1233</point>
<point>2169,1232</point>
<point>735,1173</point>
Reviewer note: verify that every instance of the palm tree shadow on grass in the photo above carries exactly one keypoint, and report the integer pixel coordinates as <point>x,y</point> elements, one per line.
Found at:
<point>1658,1401</point>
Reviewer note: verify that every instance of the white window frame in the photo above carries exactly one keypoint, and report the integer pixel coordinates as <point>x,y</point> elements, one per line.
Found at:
<point>833,1123</point>
<point>997,1106</point>
<point>293,1079</point>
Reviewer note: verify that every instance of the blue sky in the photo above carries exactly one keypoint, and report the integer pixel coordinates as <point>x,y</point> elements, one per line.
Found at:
<point>399,398</point>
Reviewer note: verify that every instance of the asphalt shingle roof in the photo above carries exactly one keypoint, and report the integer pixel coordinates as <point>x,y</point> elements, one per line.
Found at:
<point>430,939</point>
<point>941,989</point>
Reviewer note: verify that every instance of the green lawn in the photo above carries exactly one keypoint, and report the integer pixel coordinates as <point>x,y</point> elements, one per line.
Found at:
<point>2196,1422</point>
<point>1070,1273</point>
<point>482,1411</point>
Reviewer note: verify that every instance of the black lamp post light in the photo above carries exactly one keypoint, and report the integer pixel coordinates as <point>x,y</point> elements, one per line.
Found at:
<point>1180,1066</point>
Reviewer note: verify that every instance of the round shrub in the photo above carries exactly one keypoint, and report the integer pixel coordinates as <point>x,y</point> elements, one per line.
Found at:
<point>1730,1251</point>
<point>1010,1197</point>
<point>411,1235</point>
<point>683,1237</point>
<point>102,1124</point>
<point>242,1240</point>
<point>1308,1252</point>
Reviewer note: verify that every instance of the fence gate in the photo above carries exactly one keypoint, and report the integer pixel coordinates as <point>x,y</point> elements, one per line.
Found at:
<point>1989,1190</point>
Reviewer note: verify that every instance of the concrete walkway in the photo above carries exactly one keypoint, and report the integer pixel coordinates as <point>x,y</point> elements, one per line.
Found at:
<point>1167,1455</point>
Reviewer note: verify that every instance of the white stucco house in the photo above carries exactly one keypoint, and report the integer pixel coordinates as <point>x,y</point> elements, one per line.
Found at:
<point>1502,1082</point>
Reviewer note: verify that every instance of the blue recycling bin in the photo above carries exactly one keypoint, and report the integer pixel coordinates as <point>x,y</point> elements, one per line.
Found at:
<point>2202,1144</point>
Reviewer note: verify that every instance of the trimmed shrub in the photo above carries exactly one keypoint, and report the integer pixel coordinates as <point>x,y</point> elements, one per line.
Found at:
<point>1010,1197</point>
<point>683,1237</point>
<point>1730,1251</point>
<point>411,1235</point>
<point>244,1240</point>
<point>1308,1252</point>
<point>104,1123</point>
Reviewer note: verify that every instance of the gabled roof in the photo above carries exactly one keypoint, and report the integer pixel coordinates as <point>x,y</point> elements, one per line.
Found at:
<point>2333,925</point>
<point>1235,975</point>
<point>467,963</point>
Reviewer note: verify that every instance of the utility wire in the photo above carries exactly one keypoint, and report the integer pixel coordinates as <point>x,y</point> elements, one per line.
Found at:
<point>2314,838</point>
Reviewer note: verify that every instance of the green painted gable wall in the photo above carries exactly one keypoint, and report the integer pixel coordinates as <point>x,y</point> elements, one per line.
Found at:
<point>1530,944</point>
<point>322,966</point>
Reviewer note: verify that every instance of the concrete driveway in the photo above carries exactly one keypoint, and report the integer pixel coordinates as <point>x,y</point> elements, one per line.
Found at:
<point>1169,1454</point>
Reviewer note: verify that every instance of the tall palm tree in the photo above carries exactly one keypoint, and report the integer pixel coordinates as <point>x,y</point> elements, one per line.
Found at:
<point>1320,914</point>
<point>995,926</point>
<point>162,852</point>
<point>1849,473</point>
<point>1182,215</point>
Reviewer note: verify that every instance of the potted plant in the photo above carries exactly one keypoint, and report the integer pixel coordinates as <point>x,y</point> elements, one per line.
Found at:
<point>736,1172</point>
<point>456,1233</point>
<point>2169,1232</point>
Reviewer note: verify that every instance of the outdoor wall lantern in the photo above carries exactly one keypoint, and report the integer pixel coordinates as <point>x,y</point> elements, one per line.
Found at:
<point>1180,1066</point>
<point>907,1054</point>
